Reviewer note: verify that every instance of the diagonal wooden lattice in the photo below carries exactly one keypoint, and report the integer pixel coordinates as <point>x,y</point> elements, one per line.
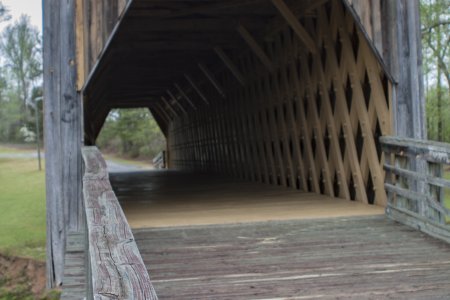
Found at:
<point>311,122</point>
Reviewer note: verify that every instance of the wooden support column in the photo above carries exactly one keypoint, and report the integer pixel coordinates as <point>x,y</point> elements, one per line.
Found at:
<point>63,133</point>
<point>403,53</point>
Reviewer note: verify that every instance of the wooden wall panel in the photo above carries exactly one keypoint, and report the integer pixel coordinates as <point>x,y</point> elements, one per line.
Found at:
<point>369,14</point>
<point>309,122</point>
<point>95,22</point>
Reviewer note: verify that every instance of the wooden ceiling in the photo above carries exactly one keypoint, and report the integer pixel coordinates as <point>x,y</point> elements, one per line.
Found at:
<point>159,46</point>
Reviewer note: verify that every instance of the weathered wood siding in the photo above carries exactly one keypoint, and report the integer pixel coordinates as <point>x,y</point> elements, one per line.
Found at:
<point>368,14</point>
<point>302,120</point>
<point>63,130</point>
<point>402,52</point>
<point>96,20</point>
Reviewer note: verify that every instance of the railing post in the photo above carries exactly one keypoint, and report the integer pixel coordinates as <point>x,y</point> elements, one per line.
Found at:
<point>415,184</point>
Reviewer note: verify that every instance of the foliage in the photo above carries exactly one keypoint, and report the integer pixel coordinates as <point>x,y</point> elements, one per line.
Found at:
<point>438,114</point>
<point>131,133</point>
<point>21,49</point>
<point>435,19</point>
<point>22,208</point>
<point>20,79</point>
<point>4,14</point>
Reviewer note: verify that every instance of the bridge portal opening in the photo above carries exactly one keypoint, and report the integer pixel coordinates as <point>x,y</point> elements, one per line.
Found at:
<point>274,94</point>
<point>132,134</point>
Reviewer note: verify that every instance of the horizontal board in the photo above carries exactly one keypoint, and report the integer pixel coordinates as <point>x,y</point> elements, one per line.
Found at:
<point>116,267</point>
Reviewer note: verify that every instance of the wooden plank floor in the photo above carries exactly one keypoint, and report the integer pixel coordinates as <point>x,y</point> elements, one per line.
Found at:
<point>170,198</point>
<point>338,258</point>
<point>74,269</point>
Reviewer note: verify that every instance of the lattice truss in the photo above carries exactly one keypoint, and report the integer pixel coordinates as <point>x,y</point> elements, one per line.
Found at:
<point>297,119</point>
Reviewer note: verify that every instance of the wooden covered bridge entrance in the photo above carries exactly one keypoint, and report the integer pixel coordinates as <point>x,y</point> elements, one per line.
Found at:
<point>272,110</point>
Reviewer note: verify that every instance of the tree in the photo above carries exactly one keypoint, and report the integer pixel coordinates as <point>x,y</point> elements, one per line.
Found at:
<point>4,13</point>
<point>21,51</point>
<point>131,133</point>
<point>435,18</point>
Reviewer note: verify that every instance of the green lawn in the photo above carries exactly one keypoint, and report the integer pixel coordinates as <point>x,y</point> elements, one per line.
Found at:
<point>22,208</point>
<point>16,149</point>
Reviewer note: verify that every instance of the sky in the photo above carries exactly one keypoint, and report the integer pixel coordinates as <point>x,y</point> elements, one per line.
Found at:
<point>32,8</point>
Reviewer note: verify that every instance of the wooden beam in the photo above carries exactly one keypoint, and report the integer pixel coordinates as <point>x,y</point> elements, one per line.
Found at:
<point>52,129</point>
<point>230,65</point>
<point>202,9</point>
<point>114,264</point>
<point>183,94</point>
<point>253,44</point>
<point>80,45</point>
<point>295,24</point>
<point>160,120</point>
<point>161,108</point>
<point>172,96</point>
<point>195,87</point>
<point>62,129</point>
<point>100,122</point>
<point>212,79</point>
<point>167,102</point>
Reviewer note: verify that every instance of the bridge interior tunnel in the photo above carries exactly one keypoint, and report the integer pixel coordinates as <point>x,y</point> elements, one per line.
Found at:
<point>285,93</point>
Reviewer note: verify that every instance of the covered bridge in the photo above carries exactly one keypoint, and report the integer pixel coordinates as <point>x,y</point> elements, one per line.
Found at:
<point>291,126</point>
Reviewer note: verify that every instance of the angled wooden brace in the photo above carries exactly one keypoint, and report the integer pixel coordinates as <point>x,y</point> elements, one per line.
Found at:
<point>256,48</point>
<point>292,20</point>
<point>195,87</point>
<point>176,101</point>
<point>230,65</point>
<point>162,112</point>
<point>212,79</point>
<point>169,106</point>
<point>183,94</point>
<point>162,122</point>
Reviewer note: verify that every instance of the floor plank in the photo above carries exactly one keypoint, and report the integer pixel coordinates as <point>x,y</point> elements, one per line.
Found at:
<point>172,198</point>
<point>346,258</point>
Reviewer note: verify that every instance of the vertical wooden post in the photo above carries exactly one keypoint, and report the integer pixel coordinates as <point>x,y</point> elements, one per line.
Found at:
<point>63,130</point>
<point>403,54</point>
<point>55,217</point>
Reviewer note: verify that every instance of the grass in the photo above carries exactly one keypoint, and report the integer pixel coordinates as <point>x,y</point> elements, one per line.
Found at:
<point>16,149</point>
<point>22,208</point>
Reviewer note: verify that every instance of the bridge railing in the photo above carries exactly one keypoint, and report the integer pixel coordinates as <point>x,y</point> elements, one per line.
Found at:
<point>159,162</point>
<point>416,184</point>
<point>115,269</point>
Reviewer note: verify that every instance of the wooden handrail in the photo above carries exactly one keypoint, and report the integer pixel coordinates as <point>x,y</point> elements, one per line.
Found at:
<point>115,267</point>
<point>415,183</point>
